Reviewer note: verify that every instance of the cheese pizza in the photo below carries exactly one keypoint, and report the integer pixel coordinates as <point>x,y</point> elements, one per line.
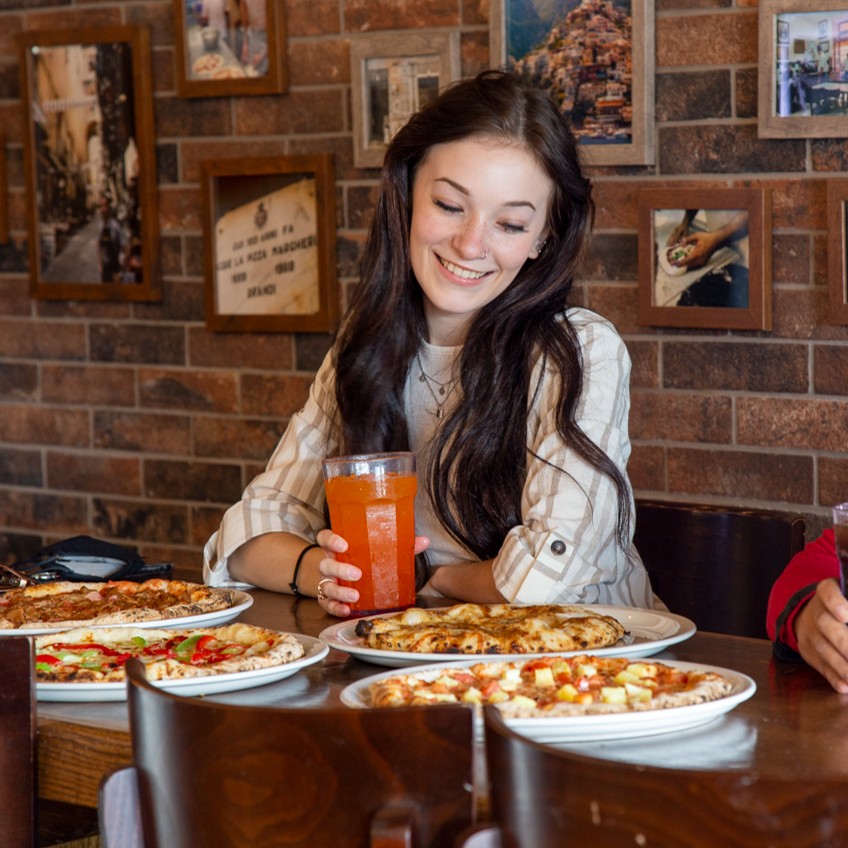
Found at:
<point>554,686</point>
<point>492,629</point>
<point>99,655</point>
<point>66,604</point>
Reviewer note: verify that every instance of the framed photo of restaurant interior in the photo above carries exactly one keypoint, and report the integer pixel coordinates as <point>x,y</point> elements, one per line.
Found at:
<point>803,69</point>
<point>391,77</point>
<point>837,250</point>
<point>230,47</point>
<point>705,258</point>
<point>602,75</point>
<point>90,169</point>
<point>270,257</point>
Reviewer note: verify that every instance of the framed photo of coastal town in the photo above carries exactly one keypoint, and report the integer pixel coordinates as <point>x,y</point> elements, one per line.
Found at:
<point>89,162</point>
<point>269,229</point>
<point>837,250</point>
<point>705,258</point>
<point>230,47</point>
<point>606,90</point>
<point>391,78</point>
<point>803,69</point>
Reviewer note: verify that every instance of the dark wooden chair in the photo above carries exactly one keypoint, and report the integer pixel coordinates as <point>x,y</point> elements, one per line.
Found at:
<point>17,743</point>
<point>716,565</point>
<point>233,776</point>
<point>544,797</point>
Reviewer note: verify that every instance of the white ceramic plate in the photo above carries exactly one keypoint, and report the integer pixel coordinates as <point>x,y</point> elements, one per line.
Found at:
<point>207,619</point>
<point>650,631</point>
<point>593,728</point>
<point>314,651</point>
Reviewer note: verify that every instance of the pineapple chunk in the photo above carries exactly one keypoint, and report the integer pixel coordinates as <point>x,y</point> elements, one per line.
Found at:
<point>641,669</point>
<point>637,693</point>
<point>566,692</point>
<point>498,697</point>
<point>522,701</point>
<point>613,695</point>
<point>586,670</point>
<point>561,667</point>
<point>448,682</point>
<point>544,677</point>
<point>472,695</point>
<point>626,676</point>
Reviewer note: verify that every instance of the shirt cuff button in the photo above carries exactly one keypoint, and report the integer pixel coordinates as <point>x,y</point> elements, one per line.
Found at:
<point>557,548</point>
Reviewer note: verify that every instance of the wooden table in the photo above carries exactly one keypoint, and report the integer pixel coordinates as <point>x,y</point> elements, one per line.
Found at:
<point>795,724</point>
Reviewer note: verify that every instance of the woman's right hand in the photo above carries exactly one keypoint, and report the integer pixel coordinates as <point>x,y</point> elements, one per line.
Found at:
<point>822,634</point>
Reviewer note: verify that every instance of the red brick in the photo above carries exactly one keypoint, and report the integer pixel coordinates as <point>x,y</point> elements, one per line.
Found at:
<point>207,391</point>
<point>317,17</point>
<point>830,370</point>
<point>240,350</point>
<point>791,259</point>
<point>366,16</point>
<point>721,39</point>
<point>165,523</point>
<point>194,152</point>
<point>98,386</point>
<point>180,208</point>
<point>279,395</point>
<point>37,425</point>
<point>645,369</point>
<point>194,481</point>
<point>646,468</point>
<point>205,520</point>
<point>41,340</point>
<point>319,62</point>
<point>789,423</point>
<point>680,417</point>
<point>144,432</point>
<point>64,515</point>
<point>235,438</point>
<point>313,111</point>
<point>93,473</point>
<point>833,481</point>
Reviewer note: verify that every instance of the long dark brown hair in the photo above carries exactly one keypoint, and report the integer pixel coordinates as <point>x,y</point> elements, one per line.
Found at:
<point>483,443</point>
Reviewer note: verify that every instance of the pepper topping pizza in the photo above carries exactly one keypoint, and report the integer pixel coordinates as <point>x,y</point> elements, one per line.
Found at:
<point>99,655</point>
<point>554,686</point>
<point>66,604</point>
<point>492,629</point>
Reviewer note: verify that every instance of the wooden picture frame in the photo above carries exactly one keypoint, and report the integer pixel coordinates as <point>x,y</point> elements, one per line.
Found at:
<point>837,250</point>
<point>391,78</point>
<point>270,235</point>
<point>613,119</point>
<point>732,289</point>
<point>230,47</point>
<point>803,69</point>
<point>90,167</point>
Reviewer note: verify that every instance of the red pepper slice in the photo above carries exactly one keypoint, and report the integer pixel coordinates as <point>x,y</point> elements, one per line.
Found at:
<point>47,659</point>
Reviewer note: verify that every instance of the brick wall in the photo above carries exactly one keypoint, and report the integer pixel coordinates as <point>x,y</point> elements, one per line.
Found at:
<point>133,422</point>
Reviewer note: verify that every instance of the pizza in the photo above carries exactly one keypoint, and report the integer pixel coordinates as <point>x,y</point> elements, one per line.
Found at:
<point>207,63</point>
<point>66,604</point>
<point>554,686</point>
<point>99,655</point>
<point>492,629</point>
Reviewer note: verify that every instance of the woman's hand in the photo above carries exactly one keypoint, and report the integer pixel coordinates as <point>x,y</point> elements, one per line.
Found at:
<point>336,598</point>
<point>822,634</point>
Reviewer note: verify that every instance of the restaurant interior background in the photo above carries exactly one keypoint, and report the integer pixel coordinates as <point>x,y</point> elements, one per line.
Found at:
<point>133,422</point>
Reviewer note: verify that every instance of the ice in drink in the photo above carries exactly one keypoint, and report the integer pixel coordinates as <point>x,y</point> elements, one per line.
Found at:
<point>371,500</point>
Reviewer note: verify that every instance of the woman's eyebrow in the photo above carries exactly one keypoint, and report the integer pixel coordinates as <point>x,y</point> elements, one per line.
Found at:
<point>463,190</point>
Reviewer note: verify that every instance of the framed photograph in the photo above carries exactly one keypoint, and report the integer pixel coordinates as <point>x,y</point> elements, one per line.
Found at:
<point>607,93</point>
<point>837,250</point>
<point>270,231</point>
<point>803,90</point>
<point>391,78</point>
<point>705,258</point>
<point>90,167</point>
<point>230,47</point>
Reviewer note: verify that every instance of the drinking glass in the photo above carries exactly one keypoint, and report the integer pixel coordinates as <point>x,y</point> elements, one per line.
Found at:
<point>840,534</point>
<point>371,498</point>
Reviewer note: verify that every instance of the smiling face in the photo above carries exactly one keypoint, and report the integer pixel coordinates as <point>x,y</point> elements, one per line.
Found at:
<point>479,211</point>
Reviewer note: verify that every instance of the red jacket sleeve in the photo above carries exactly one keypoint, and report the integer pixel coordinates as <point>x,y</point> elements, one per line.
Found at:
<point>796,586</point>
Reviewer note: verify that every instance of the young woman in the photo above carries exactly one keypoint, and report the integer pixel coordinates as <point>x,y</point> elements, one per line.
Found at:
<point>460,345</point>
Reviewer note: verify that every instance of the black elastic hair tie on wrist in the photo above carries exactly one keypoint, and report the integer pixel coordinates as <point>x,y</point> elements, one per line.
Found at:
<point>303,553</point>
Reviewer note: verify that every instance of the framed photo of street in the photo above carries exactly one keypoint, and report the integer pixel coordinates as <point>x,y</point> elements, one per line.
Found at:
<point>269,228</point>
<point>89,161</point>
<point>705,258</point>
<point>606,89</point>
<point>803,69</point>
<point>391,78</point>
<point>230,47</point>
<point>837,250</point>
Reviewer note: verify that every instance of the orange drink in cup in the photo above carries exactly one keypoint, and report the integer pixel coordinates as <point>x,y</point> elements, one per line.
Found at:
<point>371,498</point>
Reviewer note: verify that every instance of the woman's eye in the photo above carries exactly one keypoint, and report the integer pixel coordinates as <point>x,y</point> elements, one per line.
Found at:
<point>514,228</point>
<point>446,206</point>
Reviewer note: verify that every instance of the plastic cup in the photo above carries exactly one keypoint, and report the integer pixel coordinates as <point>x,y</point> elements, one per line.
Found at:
<point>840,534</point>
<point>371,498</point>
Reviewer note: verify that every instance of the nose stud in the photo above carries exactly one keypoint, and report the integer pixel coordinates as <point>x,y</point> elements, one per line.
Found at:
<point>485,254</point>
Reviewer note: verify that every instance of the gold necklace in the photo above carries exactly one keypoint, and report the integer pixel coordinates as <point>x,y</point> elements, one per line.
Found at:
<point>442,390</point>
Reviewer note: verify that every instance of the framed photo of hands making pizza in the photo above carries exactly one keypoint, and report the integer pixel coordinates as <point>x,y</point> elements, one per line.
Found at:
<point>705,258</point>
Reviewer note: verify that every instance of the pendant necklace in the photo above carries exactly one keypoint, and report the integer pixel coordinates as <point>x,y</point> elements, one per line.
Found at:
<point>440,393</point>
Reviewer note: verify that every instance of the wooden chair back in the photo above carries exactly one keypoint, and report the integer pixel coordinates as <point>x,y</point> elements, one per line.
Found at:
<point>17,743</point>
<point>240,777</point>
<point>716,565</point>
<point>119,810</point>
<point>544,797</point>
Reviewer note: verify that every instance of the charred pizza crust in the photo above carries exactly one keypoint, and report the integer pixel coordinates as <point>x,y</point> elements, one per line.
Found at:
<point>555,686</point>
<point>492,629</point>
<point>99,655</point>
<point>66,604</point>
